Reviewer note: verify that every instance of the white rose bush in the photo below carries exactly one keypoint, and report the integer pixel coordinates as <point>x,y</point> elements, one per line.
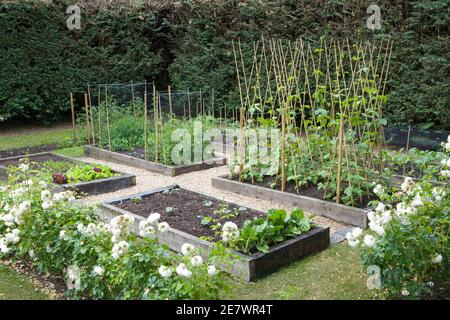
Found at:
<point>58,235</point>
<point>408,235</point>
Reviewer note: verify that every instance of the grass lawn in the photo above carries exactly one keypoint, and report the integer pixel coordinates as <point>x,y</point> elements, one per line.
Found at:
<point>43,136</point>
<point>39,137</point>
<point>336,273</point>
<point>73,152</point>
<point>14,286</point>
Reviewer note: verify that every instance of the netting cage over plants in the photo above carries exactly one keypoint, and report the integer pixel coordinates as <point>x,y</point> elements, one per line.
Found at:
<point>137,119</point>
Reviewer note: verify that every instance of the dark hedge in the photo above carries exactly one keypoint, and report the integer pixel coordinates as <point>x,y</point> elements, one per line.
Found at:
<point>187,44</point>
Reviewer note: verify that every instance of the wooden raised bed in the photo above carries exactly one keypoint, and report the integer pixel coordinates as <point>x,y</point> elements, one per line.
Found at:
<point>102,154</point>
<point>99,186</point>
<point>334,211</point>
<point>247,267</point>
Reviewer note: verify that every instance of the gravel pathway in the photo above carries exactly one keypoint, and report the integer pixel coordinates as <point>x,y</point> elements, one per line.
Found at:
<point>198,181</point>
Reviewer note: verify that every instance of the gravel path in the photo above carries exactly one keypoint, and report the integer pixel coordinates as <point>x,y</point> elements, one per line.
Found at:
<point>198,181</point>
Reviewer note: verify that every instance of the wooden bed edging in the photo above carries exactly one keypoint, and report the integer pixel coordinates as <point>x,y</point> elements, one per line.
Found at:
<point>246,267</point>
<point>334,211</point>
<point>94,187</point>
<point>172,171</point>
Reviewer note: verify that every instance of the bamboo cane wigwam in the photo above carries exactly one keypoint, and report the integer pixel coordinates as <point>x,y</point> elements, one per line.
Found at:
<point>316,93</point>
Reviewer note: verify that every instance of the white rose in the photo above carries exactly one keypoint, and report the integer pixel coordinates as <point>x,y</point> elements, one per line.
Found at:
<point>183,271</point>
<point>187,249</point>
<point>153,218</point>
<point>47,205</point>
<point>380,207</point>
<point>212,270</point>
<point>24,167</point>
<point>163,227</point>
<point>377,228</point>
<point>357,232</point>
<point>378,190</point>
<point>45,195</point>
<point>63,234</point>
<point>196,261</point>
<point>98,271</point>
<point>165,272</point>
<point>353,242</point>
<point>369,241</point>
<point>437,259</point>
<point>445,173</point>
<point>417,202</point>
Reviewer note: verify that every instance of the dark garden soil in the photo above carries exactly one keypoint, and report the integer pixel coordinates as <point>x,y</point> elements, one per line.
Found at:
<point>308,191</point>
<point>38,159</point>
<point>440,292</point>
<point>137,153</point>
<point>409,170</point>
<point>140,153</point>
<point>189,208</point>
<point>27,150</point>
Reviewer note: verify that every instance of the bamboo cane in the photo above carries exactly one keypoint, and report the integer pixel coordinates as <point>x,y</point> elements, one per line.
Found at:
<point>132,95</point>
<point>212,102</point>
<point>241,143</point>
<point>99,109</point>
<point>145,121</point>
<point>88,127</point>
<point>189,104</point>
<point>170,101</point>
<point>107,118</point>
<point>73,118</point>
<point>340,147</point>
<point>283,151</point>
<point>91,115</point>
<point>155,116</point>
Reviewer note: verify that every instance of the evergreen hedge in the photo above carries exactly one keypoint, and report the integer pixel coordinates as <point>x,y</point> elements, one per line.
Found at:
<point>187,43</point>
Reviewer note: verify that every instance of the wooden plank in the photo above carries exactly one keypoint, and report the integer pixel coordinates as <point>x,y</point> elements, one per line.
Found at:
<point>334,211</point>
<point>172,171</point>
<point>94,187</point>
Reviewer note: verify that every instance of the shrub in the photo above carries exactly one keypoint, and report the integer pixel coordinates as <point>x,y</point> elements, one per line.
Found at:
<point>409,236</point>
<point>187,43</point>
<point>101,261</point>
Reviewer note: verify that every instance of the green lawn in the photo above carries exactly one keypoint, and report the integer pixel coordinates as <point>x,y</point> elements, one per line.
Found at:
<point>335,273</point>
<point>74,152</point>
<point>14,286</point>
<point>43,136</point>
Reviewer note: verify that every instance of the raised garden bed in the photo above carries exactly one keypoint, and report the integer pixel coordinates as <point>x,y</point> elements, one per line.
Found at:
<point>334,211</point>
<point>27,150</point>
<point>187,208</point>
<point>98,186</point>
<point>137,162</point>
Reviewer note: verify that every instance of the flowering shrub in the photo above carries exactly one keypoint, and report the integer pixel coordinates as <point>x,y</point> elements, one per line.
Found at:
<point>409,236</point>
<point>105,261</point>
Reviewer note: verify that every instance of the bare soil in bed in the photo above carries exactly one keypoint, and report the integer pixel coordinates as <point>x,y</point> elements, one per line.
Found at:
<point>140,154</point>
<point>39,158</point>
<point>189,208</point>
<point>308,191</point>
<point>27,150</point>
<point>137,153</point>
